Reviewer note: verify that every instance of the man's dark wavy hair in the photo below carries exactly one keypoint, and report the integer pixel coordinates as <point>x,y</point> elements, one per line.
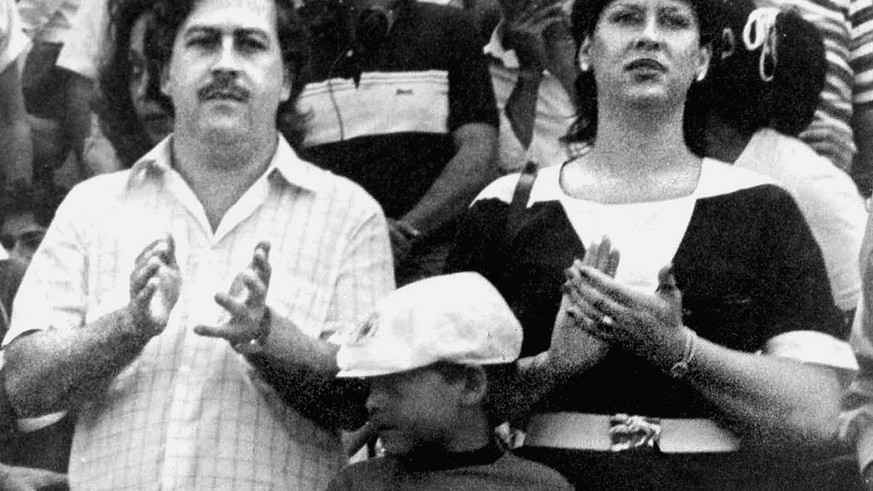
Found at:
<point>293,42</point>
<point>584,18</point>
<point>113,105</point>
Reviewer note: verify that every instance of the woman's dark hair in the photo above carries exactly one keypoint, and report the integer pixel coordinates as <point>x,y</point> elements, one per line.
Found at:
<point>114,106</point>
<point>584,18</point>
<point>293,41</point>
<point>786,102</point>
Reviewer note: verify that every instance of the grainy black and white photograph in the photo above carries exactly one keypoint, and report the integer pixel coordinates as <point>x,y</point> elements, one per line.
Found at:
<point>436,245</point>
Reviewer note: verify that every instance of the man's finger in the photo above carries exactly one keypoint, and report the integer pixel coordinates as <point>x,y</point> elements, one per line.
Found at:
<point>612,263</point>
<point>141,276</point>
<point>156,247</point>
<point>235,307</point>
<point>216,332</point>
<point>261,261</point>
<point>666,280</point>
<point>169,254</point>
<point>256,286</point>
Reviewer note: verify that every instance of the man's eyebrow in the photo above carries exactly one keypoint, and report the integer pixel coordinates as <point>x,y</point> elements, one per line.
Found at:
<point>198,30</point>
<point>253,32</point>
<point>237,32</point>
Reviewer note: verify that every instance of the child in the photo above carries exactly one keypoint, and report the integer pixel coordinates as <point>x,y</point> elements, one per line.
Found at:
<point>430,351</point>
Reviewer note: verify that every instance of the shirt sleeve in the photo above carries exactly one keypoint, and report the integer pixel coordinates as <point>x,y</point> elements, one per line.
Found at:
<point>803,319</point>
<point>366,276</point>
<point>53,291</point>
<point>856,419</point>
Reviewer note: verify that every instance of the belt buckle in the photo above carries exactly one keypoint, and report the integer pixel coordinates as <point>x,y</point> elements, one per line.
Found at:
<point>631,432</point>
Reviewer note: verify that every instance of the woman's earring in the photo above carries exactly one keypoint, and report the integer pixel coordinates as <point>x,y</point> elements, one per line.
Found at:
<point>728,43</point>
<point>584,66</point>
<point>701,76</point>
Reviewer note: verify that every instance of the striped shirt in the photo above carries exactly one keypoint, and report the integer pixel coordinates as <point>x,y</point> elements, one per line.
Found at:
<point>847,29</point>
<point>189,412</point>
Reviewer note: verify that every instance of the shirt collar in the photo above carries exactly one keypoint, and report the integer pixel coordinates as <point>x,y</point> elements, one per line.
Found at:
<point>495,48</point>
<point>438,460</point>
<point>285,163</point>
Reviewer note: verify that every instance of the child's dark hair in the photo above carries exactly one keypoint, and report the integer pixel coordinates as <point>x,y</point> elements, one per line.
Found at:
<point>775,84</point>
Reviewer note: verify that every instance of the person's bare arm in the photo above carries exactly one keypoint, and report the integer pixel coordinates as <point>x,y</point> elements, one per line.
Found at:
<point>52,369</point>
<point>300,367</point>
<point>464,176</point>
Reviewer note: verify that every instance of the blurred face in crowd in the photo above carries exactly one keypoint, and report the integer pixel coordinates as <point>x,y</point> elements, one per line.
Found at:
<point>156,121</point>
<point>646,51</point>
<point>415,411</point>
<point>226,75</point>
<point>20,235</point>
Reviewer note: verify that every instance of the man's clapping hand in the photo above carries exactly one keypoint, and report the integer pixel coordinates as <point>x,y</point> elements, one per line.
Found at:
<point>154,287</point>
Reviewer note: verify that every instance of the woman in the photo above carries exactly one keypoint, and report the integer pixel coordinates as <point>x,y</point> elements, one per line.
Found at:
<point>764,92</point>
<point>133,113</point>
<point>714,372</point>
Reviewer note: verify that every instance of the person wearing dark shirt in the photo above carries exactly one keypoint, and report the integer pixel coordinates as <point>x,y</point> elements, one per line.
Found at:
<point>434,351</point>
<point>404,107</point>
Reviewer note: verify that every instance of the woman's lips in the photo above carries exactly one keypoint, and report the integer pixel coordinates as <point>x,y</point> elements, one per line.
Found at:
<point>648,64</point>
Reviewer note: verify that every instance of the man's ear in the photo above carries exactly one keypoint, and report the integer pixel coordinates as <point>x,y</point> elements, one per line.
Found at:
<point>164,74</point>
<point>583,58</point>
<point>475,387</point>
<point>287,83</point>
<point>704,59</point>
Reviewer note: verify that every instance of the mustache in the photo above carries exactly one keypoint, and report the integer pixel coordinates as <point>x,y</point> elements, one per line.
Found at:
<point>223,87</point>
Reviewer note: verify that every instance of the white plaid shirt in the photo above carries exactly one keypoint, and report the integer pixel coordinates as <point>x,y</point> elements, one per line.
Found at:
<point>189,412</point>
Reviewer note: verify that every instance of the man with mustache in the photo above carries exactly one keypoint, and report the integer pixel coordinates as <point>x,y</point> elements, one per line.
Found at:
<point>166,298</point>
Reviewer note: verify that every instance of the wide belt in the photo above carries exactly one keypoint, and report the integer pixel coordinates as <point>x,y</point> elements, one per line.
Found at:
<point>619,432</point>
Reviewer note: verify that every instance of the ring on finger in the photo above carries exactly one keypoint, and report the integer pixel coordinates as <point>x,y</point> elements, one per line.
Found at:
<point>607,321</point>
